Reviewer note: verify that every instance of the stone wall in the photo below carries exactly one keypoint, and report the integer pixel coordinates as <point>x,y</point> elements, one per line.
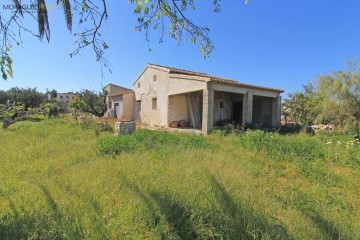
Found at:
<point>148,115</point>
<point>124,128</point>
<point>146,89</point>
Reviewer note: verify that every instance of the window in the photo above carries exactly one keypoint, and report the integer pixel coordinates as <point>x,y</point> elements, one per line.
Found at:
<point>154,103</point>
<point>154,78</point>
<point>138,105</point>
<point>221,104</point>
<point>61,97</point>
<point>138,84</point>
<point>67,96</point>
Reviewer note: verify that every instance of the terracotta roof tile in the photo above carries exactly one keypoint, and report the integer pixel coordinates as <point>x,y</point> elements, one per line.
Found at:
<point>217,79</point>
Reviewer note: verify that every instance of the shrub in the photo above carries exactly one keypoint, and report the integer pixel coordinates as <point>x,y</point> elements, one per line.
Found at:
<point>145,139</point>
<point>283,147</point>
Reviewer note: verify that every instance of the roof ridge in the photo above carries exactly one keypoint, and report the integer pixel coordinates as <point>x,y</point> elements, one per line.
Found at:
<point>215,78</point>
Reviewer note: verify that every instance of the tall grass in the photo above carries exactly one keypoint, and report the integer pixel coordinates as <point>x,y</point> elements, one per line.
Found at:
<point>59,180</point>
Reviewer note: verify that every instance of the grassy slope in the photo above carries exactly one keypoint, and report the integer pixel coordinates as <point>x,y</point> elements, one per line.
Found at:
<point>55,184</point>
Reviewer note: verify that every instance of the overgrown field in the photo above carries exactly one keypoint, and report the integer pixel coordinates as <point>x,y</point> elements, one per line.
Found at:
<point>59,180</point>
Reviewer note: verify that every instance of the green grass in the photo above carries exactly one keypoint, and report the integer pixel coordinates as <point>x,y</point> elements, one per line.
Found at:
<point>59,180</point>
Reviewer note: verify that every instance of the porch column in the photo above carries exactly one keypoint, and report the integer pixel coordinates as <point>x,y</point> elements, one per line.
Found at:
<point>276,111</point>
<point>208,111</point>
<point>248,107</point>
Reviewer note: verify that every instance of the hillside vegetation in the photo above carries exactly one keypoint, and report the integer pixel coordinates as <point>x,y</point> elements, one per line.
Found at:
<point>59,180</point>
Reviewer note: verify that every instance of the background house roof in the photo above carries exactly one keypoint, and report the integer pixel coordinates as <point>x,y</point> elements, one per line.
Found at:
<point>117,86</point>
<point>121,94</point>
<point>215,78</point>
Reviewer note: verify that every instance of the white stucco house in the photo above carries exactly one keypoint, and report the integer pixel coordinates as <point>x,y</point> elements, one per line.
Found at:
<point>166,96</point>
<point>120,102</point>
<point>65,98</point>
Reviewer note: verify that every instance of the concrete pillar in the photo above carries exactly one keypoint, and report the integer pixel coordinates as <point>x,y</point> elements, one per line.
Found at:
<point>248,107</point>
<point>276,111</point>
<point>208,111</point>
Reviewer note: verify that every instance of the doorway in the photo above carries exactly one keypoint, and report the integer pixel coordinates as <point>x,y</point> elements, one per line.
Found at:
<point>117,110</point>
<point>237,112</point>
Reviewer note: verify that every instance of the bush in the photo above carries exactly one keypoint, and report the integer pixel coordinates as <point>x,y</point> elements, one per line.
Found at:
<point>145,139</point>
<point>283,147</point>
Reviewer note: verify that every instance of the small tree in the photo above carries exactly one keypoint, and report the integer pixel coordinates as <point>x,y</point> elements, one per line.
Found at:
<point>76,106</point>
<point>302,106</point>
<point>54,109</point>
<point>94,103</point>
<point>11,113</point>
<point>341,93</point>
<point>29,97</point>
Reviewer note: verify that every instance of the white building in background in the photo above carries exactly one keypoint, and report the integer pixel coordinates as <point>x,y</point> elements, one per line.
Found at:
<point>120,102</point>
<point>65,97</point>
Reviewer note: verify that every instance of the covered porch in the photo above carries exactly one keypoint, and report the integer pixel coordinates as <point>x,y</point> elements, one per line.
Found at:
<point>215,107</point>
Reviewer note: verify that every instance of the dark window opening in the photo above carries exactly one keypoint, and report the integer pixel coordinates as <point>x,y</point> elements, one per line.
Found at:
<point>154,103</point>
<point>221,104</point>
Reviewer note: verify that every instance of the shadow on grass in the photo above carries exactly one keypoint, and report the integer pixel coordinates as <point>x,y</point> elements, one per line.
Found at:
<point>328,229</point>
<point>22,224</point>
<point>306,205</point>
<point>242,222</point>
<point>97,219</point>
<point>181,221</point>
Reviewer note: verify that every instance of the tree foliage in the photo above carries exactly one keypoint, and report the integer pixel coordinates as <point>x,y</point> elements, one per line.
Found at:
<point>11,113</point>
<point>29,97</point>
<point>169,17</point>
<point>94,103</point>
<point>334,98</point>
<point>302,106</point>
<point>341,93</point>
<point>77,105</point>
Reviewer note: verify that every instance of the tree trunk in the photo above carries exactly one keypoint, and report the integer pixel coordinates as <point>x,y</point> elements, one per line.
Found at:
<point>356,135</point>
<point>6,124</point>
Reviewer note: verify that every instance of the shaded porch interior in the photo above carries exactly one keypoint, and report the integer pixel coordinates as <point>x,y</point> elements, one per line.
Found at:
<point>187,110</point>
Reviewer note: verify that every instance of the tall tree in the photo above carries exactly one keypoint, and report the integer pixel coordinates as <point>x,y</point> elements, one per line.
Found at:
<point>167,16</point>
<point>341,93</point>
<point>94,103</point>
<point>302,106</point>
<point>29,97</point>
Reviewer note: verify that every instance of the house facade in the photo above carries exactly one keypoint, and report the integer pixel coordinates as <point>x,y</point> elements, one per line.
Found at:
<point>170,97</point>
<point>120,102</point>
<point>65,98</point>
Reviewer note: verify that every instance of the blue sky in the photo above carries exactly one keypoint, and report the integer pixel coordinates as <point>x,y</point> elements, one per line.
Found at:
<point>281,44</point>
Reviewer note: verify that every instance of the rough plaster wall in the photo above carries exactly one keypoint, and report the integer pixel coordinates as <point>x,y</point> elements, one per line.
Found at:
<point>137,111</point>
<point>129,106</point>
<point>180,85</point>
<point>178,108</point>
<point>147,91</point>
<point>225,113</point>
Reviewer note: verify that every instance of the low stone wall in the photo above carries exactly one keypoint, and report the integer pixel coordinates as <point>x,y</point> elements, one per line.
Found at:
<point>124,128</point>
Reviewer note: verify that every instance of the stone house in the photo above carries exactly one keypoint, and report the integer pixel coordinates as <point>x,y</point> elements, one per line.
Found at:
<point>171,97</point>
<point>120,102</point>
<point>65,98</point>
